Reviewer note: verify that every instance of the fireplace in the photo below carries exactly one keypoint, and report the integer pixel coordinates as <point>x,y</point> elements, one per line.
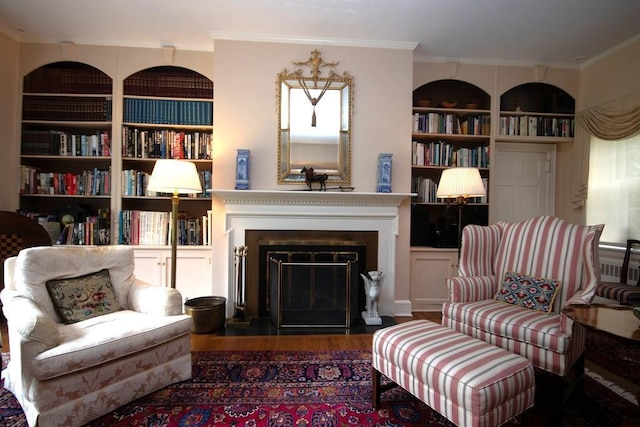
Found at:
<point>307,246</point>
<point>311,216</point>
<point>313,288</point>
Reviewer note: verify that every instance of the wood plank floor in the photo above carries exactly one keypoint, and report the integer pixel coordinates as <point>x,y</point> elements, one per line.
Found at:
<point>209,342</point>
<point>206,342</point>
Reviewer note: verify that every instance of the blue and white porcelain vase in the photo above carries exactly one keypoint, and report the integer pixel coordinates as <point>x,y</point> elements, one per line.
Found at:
<point>242,169</point>
<point>384,173</point>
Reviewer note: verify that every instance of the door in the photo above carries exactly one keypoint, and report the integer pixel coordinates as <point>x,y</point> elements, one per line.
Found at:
<point>522,181</point>
<point>148,267</point>
<point>193,272</point>
<point>429,270</point>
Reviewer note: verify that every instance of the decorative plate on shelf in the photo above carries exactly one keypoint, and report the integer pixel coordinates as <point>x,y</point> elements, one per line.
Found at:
<point>449,104</point>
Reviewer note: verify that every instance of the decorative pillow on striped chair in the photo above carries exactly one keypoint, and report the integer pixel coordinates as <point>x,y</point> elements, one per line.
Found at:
<point>528,291</point>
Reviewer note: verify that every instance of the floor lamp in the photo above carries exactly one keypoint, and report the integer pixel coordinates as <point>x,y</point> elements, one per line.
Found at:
<point>174,177</point>
<point>460,184</point>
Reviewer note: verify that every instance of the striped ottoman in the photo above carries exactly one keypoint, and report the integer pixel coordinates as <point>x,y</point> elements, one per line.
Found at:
<point>470,382</point>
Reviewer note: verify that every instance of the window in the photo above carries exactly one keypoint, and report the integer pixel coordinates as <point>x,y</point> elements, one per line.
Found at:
<point>614,188</point>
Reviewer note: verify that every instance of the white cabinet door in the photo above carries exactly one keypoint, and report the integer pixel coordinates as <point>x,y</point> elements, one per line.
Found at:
<point>149,266</point>
<point>194,275</point>
<point>429,269</point>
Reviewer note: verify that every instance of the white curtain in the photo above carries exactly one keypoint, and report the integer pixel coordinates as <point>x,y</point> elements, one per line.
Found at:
<point>612,121</point>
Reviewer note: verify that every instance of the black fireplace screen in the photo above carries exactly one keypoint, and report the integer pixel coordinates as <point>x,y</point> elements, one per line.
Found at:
<point>313,289</point>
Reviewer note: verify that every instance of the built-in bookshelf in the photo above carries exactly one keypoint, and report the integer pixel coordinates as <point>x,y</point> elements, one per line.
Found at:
<point>536,112</point>
<point>451,128</point>
<point>167,114</point>
<point>65,158</point>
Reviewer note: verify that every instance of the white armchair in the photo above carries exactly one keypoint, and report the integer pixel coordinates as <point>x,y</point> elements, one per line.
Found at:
<point>70,373</point>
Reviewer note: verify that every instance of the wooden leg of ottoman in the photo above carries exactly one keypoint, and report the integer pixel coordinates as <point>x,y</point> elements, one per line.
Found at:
<point>378,388</point>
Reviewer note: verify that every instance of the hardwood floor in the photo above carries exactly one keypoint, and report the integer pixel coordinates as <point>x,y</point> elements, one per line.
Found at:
<point>206,342</point>
<point>209,342</point>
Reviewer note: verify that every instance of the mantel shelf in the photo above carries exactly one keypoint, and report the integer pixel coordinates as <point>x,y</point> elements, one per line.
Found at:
<point>310,197</point>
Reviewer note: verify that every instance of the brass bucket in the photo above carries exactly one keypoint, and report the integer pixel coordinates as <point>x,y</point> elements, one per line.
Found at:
<point>208,313</point>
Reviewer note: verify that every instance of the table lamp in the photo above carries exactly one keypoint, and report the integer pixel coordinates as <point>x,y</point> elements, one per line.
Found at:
<point>460,184</point>
<point>175,177</point>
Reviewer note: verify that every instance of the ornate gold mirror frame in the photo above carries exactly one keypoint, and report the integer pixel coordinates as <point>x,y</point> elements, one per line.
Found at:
<point>314,121</point>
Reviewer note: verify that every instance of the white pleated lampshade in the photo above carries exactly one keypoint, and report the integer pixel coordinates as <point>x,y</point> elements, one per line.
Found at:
<point>456,182</point>
<point>171,175</point>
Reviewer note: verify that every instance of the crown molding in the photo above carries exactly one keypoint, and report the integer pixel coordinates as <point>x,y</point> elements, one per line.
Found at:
<point>326,41</point>
<point>611,51</point>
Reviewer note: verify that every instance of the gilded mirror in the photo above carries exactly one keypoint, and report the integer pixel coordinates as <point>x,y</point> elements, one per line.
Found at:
<point>314,121</point>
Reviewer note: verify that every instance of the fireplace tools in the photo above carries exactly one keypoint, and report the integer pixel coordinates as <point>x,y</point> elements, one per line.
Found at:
<point>240,258</point>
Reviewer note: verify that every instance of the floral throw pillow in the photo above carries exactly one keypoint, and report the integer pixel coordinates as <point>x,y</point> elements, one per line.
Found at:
<point>80,298</point>
<point>528,291</point>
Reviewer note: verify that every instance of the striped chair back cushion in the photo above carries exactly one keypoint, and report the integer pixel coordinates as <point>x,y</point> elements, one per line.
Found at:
<point>551,248</point>
<point>478,250</point>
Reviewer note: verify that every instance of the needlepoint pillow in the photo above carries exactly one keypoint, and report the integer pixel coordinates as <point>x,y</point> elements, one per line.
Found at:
<point>528,291</point>
<point>84,297</point>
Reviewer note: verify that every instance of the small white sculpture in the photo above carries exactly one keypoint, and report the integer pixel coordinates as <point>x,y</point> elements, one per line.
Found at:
<point>372,281</point>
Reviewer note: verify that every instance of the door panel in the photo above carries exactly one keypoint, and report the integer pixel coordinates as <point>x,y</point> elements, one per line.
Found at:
<point>523,181</point>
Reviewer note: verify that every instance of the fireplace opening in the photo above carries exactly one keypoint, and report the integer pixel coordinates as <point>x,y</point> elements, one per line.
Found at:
<point>313,288</point>
<point>358,247</point>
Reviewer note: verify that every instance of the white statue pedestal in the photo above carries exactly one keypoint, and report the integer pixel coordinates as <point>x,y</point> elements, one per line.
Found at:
<point>371,320</point>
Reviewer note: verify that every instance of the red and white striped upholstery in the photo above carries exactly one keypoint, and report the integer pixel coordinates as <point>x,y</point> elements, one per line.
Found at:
<point>545,247</point>
<point>469,381</point>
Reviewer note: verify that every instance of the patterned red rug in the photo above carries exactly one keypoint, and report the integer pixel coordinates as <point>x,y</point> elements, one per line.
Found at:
<point>302,389</point>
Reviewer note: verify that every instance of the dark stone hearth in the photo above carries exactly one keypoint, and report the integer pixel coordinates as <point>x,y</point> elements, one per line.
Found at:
<point>263,326</point>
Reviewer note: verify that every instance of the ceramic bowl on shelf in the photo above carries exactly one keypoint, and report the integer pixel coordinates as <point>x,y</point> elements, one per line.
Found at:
<point>471,106</point>
<point>423,102</point>
<point>449,104</point>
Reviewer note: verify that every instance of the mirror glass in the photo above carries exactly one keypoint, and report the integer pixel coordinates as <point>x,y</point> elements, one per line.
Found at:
<point>314,123</point>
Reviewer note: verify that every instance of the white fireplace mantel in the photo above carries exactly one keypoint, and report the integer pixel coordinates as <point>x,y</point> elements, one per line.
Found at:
<point>333,198</point>
<point>317,210</point>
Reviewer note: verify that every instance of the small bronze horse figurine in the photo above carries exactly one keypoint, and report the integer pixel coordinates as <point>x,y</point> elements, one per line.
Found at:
<point>310,177</point>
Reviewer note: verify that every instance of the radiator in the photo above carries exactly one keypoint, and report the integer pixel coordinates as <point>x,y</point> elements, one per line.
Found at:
<point>610,272</point>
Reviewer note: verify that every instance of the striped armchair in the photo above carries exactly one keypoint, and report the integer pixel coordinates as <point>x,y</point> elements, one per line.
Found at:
<point>543,247</point>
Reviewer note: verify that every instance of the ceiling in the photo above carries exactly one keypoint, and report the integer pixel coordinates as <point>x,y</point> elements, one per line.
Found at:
<point>550,32</point>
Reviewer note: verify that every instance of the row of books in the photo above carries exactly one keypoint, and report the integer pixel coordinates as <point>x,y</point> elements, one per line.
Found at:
<point>68,80</point>
<point>441,153</point>
<point>168,111</point>
<point>451,124</point>
<point>153,228</point>
<point>67,108</point>
<point>426,190</point>
<point>93,231</point>
<point>93,182</point>
<point>169,84</point>
<point>166,144</point>
<point>537,126</point>
<point>62,143</point>
<point>135,183</point>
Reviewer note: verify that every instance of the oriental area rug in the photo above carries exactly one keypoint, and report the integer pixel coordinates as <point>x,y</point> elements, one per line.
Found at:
<point>303,389</point>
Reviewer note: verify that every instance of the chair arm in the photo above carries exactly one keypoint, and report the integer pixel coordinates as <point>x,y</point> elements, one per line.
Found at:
<point>579,298</point>
<point>467,289</point>
<point>146,298</point>
<point>28,319</point>
<point>566,322</point>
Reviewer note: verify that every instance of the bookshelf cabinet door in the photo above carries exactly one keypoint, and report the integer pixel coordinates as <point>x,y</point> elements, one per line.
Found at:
<point>193,273</point>
<point>429,269</point>
<point>150,266</point>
